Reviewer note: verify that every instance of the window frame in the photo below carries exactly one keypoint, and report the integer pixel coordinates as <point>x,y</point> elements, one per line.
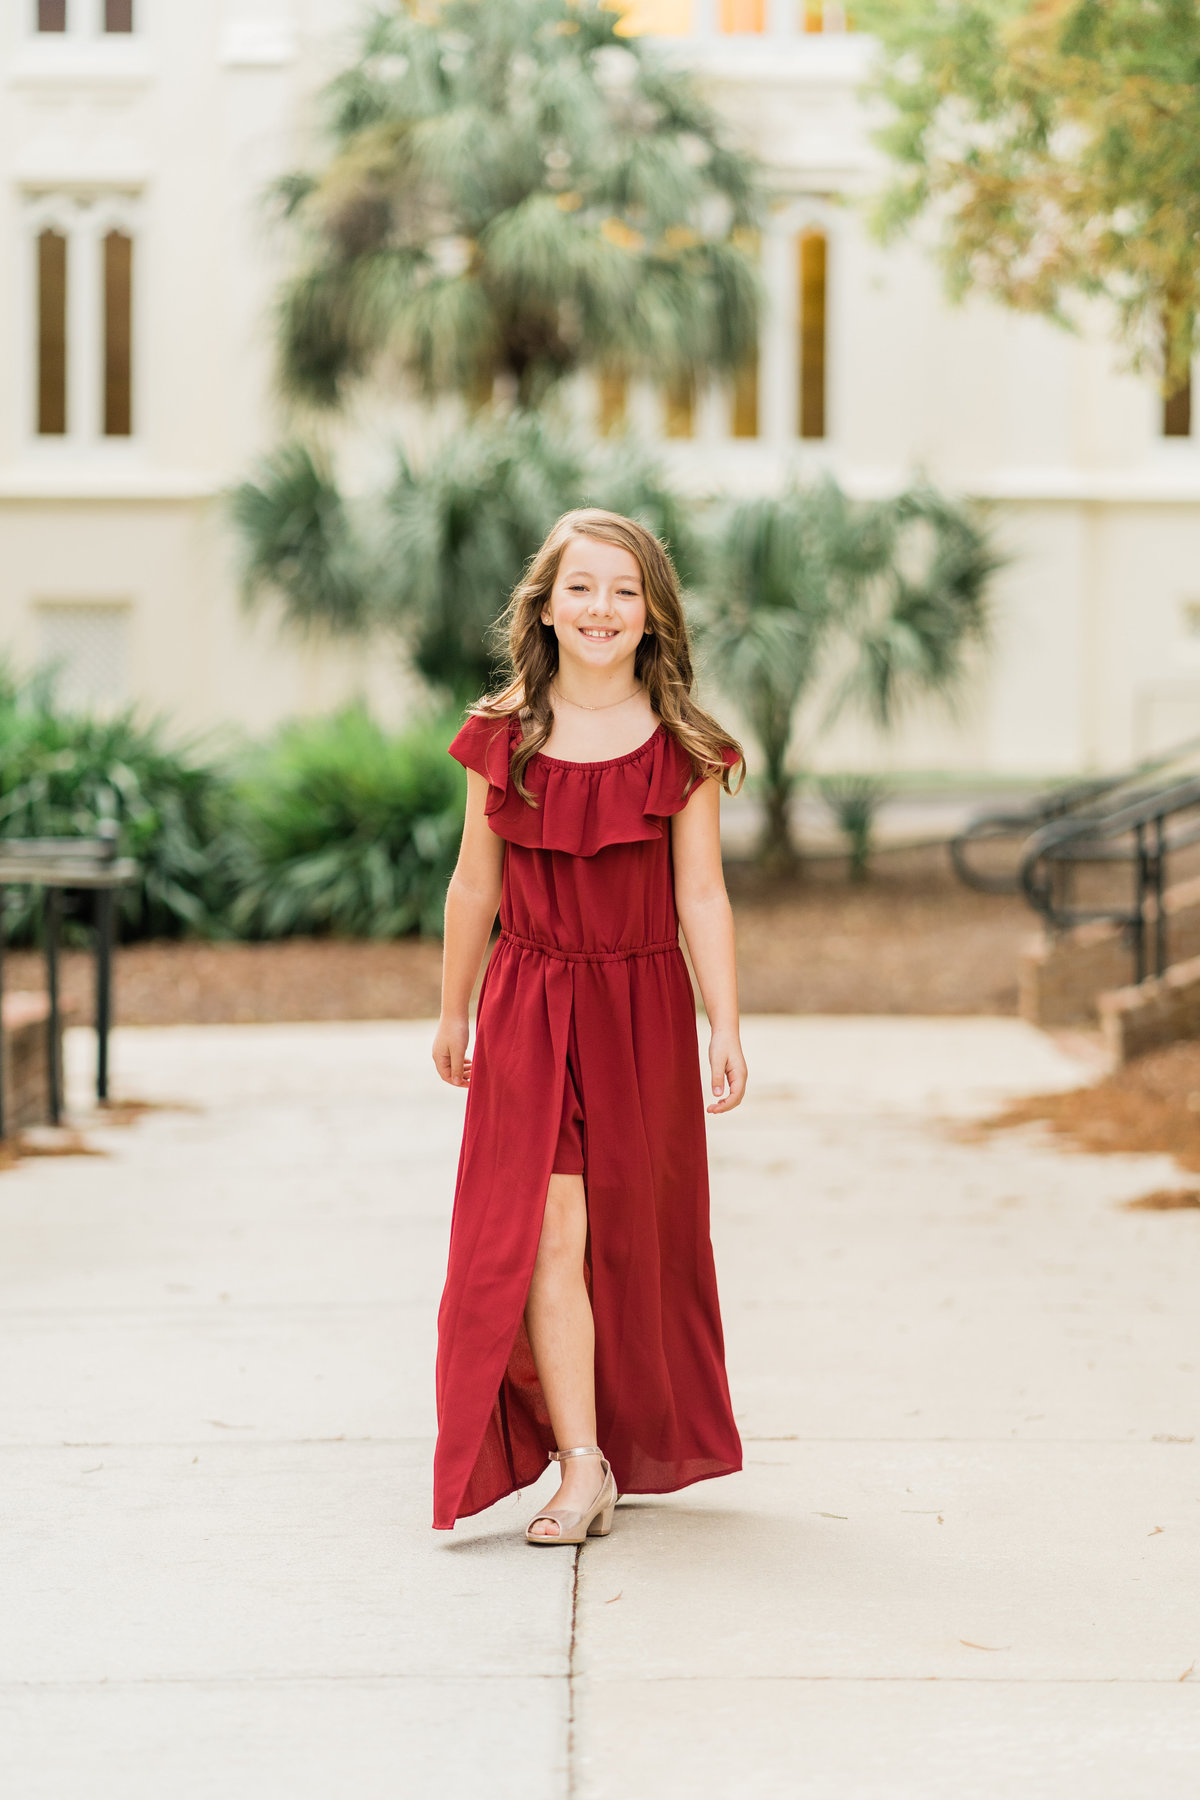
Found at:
<point>84,217</point>
<point>87,21</point>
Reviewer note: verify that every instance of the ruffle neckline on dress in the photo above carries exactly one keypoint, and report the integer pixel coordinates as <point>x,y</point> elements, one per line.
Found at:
<point>581,807</point>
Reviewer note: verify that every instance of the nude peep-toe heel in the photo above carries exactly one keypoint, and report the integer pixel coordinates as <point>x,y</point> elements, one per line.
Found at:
<point>573,1527</point>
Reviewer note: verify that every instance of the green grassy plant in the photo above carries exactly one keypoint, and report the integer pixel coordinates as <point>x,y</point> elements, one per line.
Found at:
<point>343,828</point>
<point>63,772</point>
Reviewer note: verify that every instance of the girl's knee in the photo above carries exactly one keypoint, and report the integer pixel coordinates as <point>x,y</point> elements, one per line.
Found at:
<point>564,1222</point>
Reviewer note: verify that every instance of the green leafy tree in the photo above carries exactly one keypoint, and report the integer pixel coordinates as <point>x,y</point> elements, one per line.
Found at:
<point>871,605</point>
<point>1054,143</point>
<point>435,558</point>
<point>514,189</point>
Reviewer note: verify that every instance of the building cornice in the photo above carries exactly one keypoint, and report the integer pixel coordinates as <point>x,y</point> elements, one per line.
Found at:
<point>707,467</point>
<point>105,63</point>
<point>748,467</point>
<point>1161,486</point>
<point>118,486</point>
<point>836,59</point>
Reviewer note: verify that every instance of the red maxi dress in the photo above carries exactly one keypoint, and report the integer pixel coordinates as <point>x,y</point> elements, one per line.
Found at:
<point>585,1062</point>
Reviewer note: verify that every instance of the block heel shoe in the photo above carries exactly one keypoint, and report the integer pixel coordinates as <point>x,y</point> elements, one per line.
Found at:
<point>573,1527</point>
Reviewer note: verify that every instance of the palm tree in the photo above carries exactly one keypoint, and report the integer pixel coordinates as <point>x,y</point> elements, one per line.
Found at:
<point>877,603</point>
<point>435,559</point>
<point>515,190</point>
<point>762,626</point>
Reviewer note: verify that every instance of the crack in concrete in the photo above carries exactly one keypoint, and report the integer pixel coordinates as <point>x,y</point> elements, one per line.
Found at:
<point>572,1789</point>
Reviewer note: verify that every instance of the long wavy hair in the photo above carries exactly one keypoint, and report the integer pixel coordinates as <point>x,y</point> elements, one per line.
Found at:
<point>662,663</point>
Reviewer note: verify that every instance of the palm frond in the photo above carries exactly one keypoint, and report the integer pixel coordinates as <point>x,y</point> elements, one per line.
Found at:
<point>500,126</point>
<point>297,540</point>
<point>916,596</point>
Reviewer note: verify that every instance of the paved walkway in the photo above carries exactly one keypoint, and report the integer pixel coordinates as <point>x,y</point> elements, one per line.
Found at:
<point>962,1561</point>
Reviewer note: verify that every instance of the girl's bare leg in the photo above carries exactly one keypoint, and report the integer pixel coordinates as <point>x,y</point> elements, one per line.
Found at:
<point>558,1318</point>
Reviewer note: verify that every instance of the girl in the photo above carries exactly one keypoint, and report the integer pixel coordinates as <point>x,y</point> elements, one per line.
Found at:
<point>580,1317</point>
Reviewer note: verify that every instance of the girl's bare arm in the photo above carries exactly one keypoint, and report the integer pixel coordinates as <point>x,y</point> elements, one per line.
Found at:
<point>707,921</point>
<point>472,900</point>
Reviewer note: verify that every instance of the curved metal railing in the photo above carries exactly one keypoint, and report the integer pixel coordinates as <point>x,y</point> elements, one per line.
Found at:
<point>1141,833</point>
<point>1013,826</point>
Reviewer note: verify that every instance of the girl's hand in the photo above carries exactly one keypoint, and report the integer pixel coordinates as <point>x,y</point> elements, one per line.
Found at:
<point>450,1057</point>
<point>728,1067</point>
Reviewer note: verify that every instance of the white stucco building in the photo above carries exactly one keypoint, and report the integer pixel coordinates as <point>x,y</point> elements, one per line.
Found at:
<point>136,137</point>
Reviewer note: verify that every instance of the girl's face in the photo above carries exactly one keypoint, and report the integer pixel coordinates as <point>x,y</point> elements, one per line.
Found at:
<point>597,606</point>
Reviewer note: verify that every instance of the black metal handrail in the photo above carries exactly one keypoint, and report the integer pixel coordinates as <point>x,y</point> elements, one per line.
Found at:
<point>1141,832</point>
<point>1016,824</point>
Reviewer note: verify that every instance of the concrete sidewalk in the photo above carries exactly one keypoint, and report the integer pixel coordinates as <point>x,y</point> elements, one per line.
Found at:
<point>963,1558</point>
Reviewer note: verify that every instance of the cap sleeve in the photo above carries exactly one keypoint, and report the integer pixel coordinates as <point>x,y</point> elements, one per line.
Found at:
<point>674,779</point>
<point>485,745</point>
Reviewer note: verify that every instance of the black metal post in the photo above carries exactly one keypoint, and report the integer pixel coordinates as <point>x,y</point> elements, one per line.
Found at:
<point>1139,907</point>
<point>104,950</point>
<point>3,1038</point>
<point>1068,883</point>
<point>52,913</point>
<point>1160,911</point>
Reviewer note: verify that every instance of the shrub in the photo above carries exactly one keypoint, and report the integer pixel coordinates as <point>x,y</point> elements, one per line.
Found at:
<point>62,772</point>
<point>333,826</point>
<point>344,828</point>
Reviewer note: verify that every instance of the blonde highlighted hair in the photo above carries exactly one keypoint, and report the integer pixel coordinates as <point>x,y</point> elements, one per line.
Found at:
<point>663,661</point>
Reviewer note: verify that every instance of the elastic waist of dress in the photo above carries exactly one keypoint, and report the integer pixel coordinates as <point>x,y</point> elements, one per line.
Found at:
<point>523,943</point>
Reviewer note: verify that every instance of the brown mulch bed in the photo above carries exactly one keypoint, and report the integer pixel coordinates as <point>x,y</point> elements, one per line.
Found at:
<point>1151,1106</point>
<point>165,983</point>
<point>909,940</point>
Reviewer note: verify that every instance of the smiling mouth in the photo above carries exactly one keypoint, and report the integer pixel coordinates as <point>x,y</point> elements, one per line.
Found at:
<point>596,631</point>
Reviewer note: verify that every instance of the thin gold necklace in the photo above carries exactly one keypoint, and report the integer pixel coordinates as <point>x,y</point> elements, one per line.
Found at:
<point>607,704</point>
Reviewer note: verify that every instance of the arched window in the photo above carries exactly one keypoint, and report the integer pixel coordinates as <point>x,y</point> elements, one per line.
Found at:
<point>812,283</point>
<point>82,349</point>
<point>118,334</point>
<point>1177,410</point>
<point>51,334</point>
<point>744,419</point>
<point>679,408</point>
<point>1177,401</point>
<point>612,396</point>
